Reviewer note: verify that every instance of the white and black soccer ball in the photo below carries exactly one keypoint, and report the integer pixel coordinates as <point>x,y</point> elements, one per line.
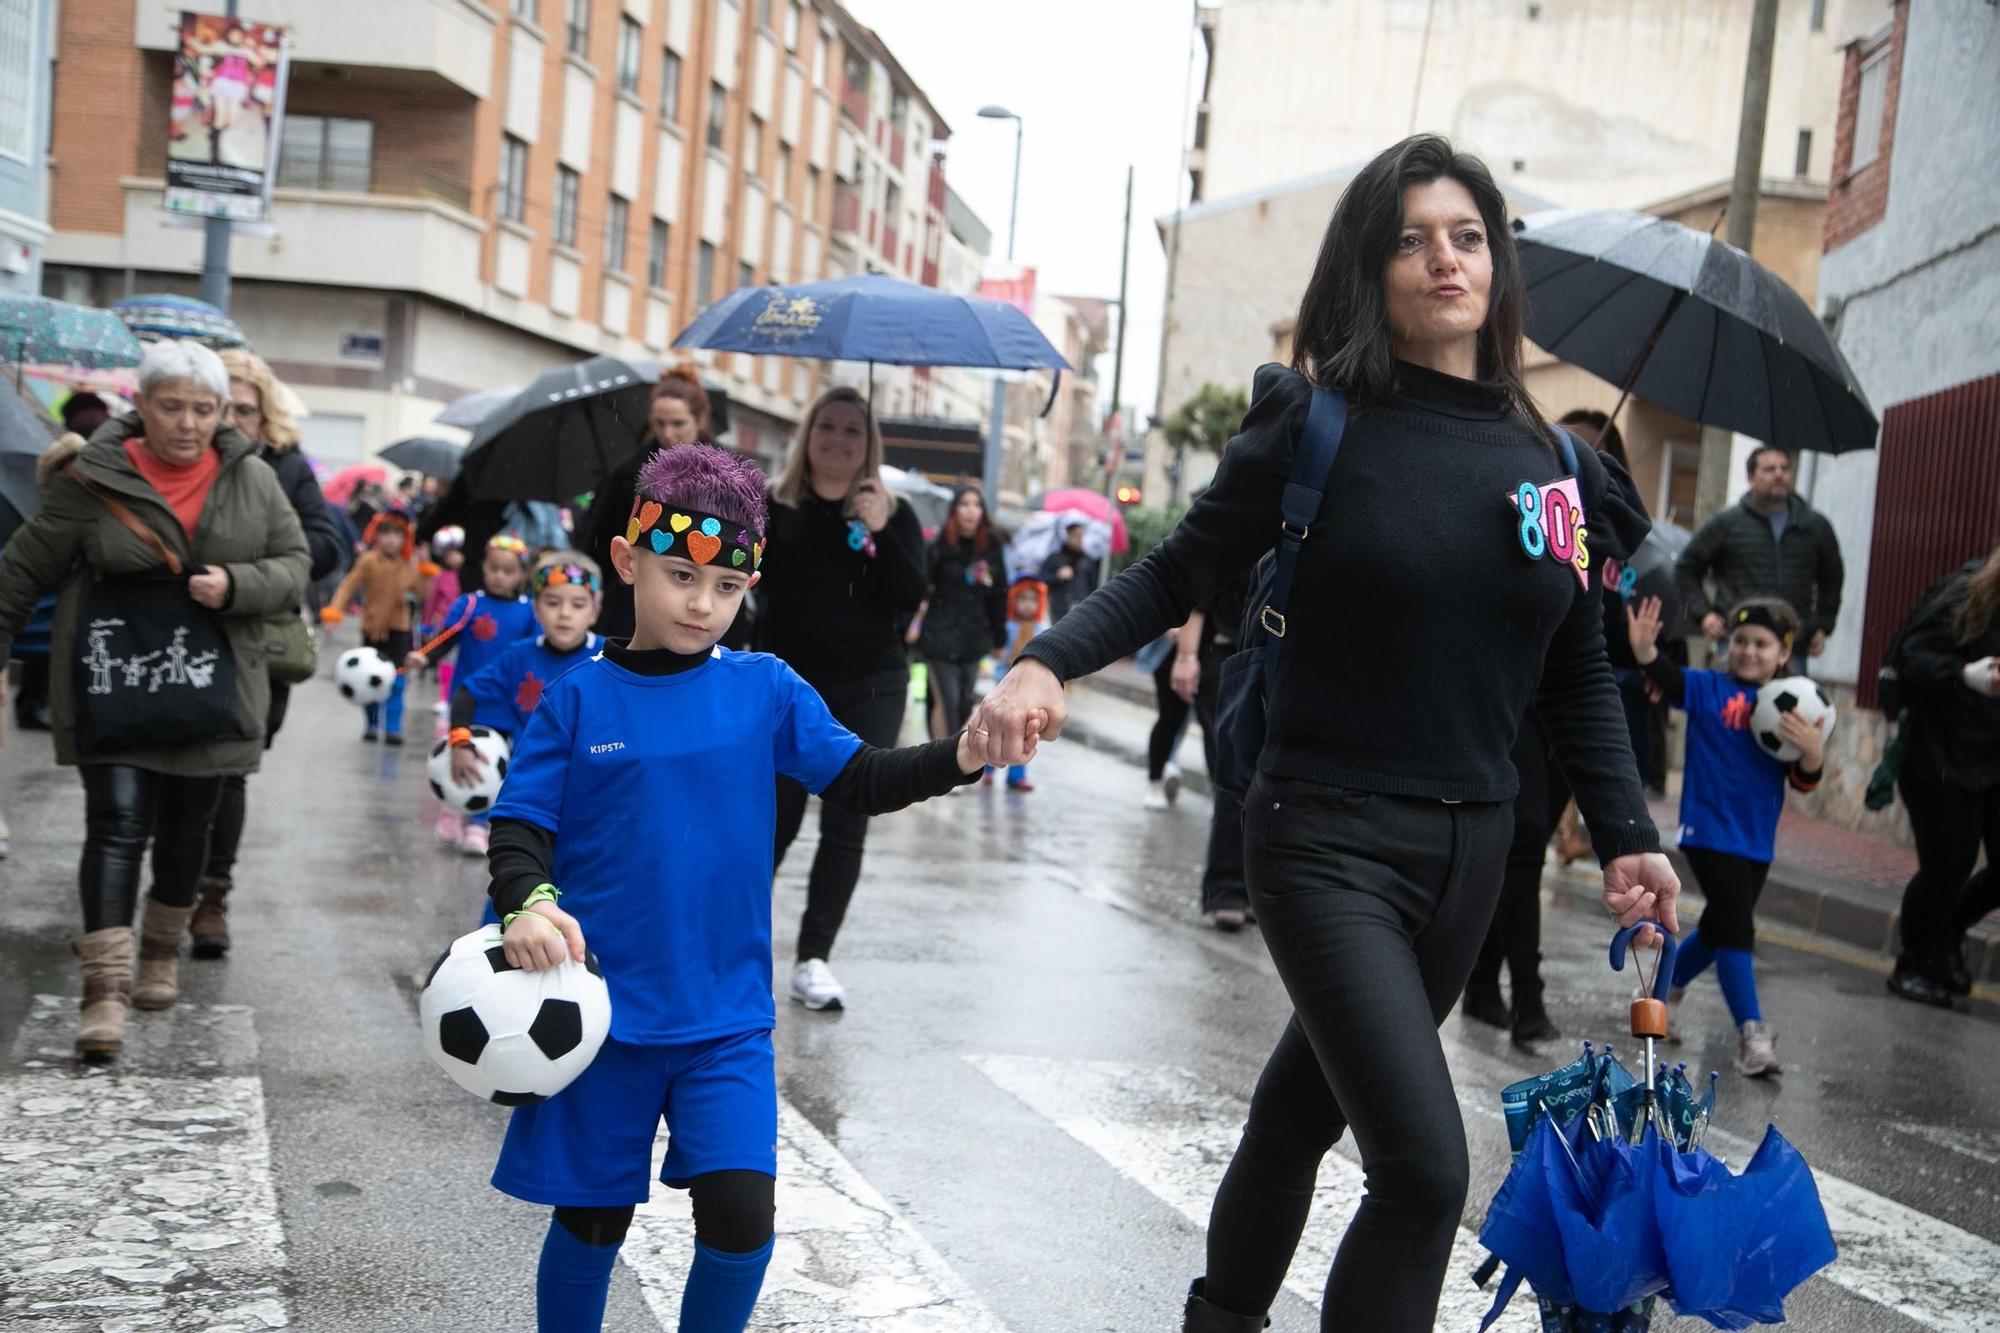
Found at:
<point>492,748</point>
<point>1791,694</point>
<point>506,1035</point>
<point>364,676</point>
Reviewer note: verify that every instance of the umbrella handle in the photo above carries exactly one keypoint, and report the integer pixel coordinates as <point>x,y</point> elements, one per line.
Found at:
<point>1663,975</point>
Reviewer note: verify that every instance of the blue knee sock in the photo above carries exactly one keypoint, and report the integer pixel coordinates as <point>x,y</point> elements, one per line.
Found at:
<point>572,1283</point>
<point>392,712</point>
<point>1693,958</point>
<point>722,1289</point>
<point>1737,971</point>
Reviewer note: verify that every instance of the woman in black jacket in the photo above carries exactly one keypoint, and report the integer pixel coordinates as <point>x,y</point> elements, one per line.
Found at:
<point>1438,593</point>
<point>1948,658</point>
<point>843,573</point>
<point>257,408</point>
<point>964,615</point>
<point>679,414</point>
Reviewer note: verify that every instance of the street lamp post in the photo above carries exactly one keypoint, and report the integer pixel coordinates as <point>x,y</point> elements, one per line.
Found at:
<point>1014,203</point>
<point>996,426</point>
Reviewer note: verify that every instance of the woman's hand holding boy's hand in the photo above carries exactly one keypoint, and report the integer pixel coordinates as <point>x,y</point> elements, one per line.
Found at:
<point>1805,736</point>
<point>1642,628</point>
<point>542,937</point>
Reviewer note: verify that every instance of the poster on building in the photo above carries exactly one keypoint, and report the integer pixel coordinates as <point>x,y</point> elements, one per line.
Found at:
<point>1016,288</point>
<point>223,128</point>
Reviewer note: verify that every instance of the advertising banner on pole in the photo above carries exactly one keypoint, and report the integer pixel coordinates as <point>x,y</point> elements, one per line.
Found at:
<point>226,117</point>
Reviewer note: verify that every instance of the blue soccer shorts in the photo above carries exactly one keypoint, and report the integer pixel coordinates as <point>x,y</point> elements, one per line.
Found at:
<point>591,1145</point>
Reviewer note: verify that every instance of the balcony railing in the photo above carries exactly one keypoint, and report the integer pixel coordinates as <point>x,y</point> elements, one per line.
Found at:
<point>889,246</point>
<point>895,150</point>
<point>846,208</point>
<point>854,104</point>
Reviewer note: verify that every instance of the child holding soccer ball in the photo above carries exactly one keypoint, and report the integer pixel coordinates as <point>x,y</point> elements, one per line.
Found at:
<point>1731,796</point>
<point>568,591</point>
<point>387,580</point>
<point>644,787</point>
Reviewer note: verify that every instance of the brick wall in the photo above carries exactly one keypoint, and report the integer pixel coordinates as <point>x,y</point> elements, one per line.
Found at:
<point>1859,198</point>
<point>95,135</point>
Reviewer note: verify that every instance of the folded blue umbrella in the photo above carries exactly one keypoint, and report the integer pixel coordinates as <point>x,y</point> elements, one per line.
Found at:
<point>1736,1246</point>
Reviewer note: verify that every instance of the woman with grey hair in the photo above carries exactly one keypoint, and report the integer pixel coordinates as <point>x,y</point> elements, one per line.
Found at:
<point>154,734</point>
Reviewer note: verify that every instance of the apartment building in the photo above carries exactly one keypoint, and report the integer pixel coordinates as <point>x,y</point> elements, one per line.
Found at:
<point>470,192</point>
<point>26,31</point>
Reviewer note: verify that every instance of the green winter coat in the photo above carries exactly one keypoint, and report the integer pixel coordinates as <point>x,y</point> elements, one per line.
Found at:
<point>247,527</point>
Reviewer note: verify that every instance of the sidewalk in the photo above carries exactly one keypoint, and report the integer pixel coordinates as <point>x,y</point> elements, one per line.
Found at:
<point>1827,883</point>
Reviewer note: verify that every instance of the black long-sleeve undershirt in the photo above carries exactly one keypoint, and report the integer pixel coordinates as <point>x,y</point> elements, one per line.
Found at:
<point>875,781</point>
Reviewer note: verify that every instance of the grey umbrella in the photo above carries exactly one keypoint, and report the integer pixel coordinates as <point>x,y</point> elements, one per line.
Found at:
<point>1689,322</point>
<point>25,432</point>
<point>426,454</point>
<point>469,409</point>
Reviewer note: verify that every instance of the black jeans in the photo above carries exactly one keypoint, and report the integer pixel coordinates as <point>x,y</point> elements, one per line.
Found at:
<point>122,808</point>
<point>951,686</point>
<point>873,710</point>
<point>1173,716</point>
<point>1949,824</point>
<point>1222,874</point>
<point>226,834</point>
<point>1515,937</point>
<point>1373,908</point>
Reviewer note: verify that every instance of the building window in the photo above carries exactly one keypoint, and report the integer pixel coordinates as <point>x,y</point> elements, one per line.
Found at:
<point>670,86</point>
<point>19,64</point>
<point>784,168</point>
<point>631,39</point>
<point>1802,161</point>
<point>1868,109</point>
<point>763,13</point>
<point>566,183</point>
<point>579,28</point>
<point>704,277</point>
<point>792,14</point>
<point>812,193</point>
<point>899,107</point>
<point>753,145</point>
<point>326,153</point>
<point>718,112</point>
<point>656,255</point>
<point>513,179</point>
<point>822,56</point>
<point>892,203</point>
<point>528,9</point>
<point>616,218</point>
<point>746,274</point>
<point>1819,15</point>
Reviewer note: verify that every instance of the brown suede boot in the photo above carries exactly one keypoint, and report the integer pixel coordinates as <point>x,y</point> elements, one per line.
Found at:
<point>210,927</point>
<point>107,986</point>
<point>160,934</point>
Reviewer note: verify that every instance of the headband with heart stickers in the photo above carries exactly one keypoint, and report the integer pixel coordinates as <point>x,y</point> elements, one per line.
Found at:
<point>565,575</point>
<point>693,535</point>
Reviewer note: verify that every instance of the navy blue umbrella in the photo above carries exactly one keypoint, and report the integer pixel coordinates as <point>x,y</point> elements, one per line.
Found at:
<point>873,318</point>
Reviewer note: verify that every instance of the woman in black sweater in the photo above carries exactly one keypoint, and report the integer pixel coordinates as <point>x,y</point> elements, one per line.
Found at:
<point>964,614</point>
<point>843,573</point>
<point>1429,610</point>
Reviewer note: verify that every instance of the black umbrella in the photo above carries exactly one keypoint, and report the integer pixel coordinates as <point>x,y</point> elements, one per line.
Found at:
<point>555,439</point>
<point>426,454</point>
<point>25,432</point>
<point>1691,323</point>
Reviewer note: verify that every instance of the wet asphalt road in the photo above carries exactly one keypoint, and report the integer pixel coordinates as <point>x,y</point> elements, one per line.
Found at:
<point>1057,925</point>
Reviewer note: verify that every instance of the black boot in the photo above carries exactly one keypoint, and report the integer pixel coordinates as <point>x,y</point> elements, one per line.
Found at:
<point>1201,1316</point>
<point>1532,1024</point>
<point>1980,896</point>
<point>1916,979</point>
<point>1482,1001</point>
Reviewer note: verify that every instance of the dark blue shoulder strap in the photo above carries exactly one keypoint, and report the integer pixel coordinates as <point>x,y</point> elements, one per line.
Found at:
<point>1566,443</point>
<point>1312,464</point>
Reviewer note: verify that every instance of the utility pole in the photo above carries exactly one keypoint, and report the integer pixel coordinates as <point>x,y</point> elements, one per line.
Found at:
<point>1116,448</point>
<point>215,242</point>
<point>1712,482</point>
<point>1174,238</point>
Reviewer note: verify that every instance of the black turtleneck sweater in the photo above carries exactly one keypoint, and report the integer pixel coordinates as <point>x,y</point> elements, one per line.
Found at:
<point>832,601</point>
<point>1419,627</point>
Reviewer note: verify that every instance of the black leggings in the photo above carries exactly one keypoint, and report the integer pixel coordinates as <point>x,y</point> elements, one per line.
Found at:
<point>1373,908</point>
<point>227,832</point>
<point>1730,887</point>
<point>122,808</point>
<point>734,1211</point>
<point>873,710</point>
<point>1515,936</point>
<point>1167,726</point>
<point>1949,824</point>
<point>951,686</point>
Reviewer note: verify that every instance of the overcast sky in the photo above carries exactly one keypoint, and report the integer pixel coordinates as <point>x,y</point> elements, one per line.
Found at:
<point>1099,85</point>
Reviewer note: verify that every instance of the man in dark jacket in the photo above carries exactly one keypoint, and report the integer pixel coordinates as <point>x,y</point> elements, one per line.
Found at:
<point>1070,574</point>
<point>1771,544</point>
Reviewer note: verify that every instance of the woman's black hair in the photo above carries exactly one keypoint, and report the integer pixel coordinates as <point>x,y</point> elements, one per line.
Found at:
<point>1609,440</point>
<point>1341,338</point>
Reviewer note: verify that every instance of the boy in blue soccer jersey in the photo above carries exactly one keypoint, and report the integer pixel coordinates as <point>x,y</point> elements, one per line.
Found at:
<point>642,791</point>
<point>1732,794</point>
<point>481,625</point>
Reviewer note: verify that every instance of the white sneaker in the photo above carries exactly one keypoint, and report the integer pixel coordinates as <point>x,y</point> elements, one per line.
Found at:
<point>815,986</point>
<point>1170,781</point>
<point>477,838</point>
<point>1756,1051</point>
<point>1156,794</point>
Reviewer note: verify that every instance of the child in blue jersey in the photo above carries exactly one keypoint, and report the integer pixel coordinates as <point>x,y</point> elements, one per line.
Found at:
<point>643,791</point>
<point>1732,794</point>
<point>481,626</point>
<point>567,589</point>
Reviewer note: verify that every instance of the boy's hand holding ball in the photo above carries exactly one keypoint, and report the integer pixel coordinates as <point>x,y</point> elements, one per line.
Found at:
<point>542,936</point>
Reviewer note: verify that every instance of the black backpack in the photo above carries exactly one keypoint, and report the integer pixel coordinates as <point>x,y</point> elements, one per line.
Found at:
<point>1249,676</point>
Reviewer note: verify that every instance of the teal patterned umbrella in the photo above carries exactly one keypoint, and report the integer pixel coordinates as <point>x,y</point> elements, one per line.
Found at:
<point>38,331</point>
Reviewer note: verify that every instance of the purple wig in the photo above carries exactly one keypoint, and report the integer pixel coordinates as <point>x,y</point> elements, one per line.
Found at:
<point>710,479</point>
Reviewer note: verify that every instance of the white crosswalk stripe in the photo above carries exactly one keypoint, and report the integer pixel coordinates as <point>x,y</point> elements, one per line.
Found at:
<point>846,1260</point>
<point>130,1201</point>
<point>1173,1134</point>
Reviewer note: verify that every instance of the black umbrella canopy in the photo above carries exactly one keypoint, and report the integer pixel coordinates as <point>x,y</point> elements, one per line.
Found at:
<point>1711,333</point>
<point>554,439</point>
<point>426,454</point>
<point>26,430</point>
